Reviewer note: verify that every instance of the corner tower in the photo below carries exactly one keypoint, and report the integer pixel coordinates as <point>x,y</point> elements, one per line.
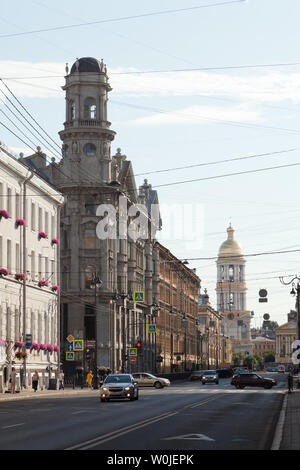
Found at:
<point>87,135</point>
<point>231,292</point>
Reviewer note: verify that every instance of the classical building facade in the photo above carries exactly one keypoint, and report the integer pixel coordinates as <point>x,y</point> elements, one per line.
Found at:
<point>231,293</point>
<point>29,284</point>
<point>105,255</point>
<point>285,335</point>
<point>178,342</point>
<point>216,346</point>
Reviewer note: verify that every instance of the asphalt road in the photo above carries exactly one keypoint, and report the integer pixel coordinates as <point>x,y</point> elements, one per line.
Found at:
<point>185,416</point>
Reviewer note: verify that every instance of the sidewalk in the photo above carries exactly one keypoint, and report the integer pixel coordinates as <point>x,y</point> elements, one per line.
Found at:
<point>29,393</point>
<point>291,427</point>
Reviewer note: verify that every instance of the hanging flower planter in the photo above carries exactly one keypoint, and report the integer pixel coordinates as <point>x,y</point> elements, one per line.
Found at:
<point>19,344</point>
<point>55,241</point>
<point>20,277</point>
<point>43,283</point>
<point>20,222</point>
<point>4,214</point>
<point>50,348</point>
<point>56,348</point>
<point>21,355</point>
<point>3,343</point>
<point>4,272</point>
<point>43,347</point>
<point>43,235</point>
<point>55,288</point>
<point>35,347</point>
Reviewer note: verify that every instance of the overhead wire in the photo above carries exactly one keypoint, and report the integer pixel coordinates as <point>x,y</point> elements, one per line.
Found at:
<point>124,18</point>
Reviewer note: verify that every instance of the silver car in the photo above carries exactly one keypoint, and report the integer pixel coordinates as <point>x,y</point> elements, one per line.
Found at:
<point>119,386</point>
<point>210,376</point>
<point>148,380</point>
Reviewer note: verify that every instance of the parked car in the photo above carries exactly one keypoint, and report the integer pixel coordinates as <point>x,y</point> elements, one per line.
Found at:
<point>196,375</point>
<point>119,386</point>
<point>240,371</point>
<point>210,376</point>
<point>144,379</point>
<point>225,372</point>
<point>252,380</point>
<point>281,369</point>
<point>271,369</point>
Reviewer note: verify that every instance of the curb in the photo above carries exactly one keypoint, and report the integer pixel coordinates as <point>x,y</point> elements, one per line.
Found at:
<point>279,428</point>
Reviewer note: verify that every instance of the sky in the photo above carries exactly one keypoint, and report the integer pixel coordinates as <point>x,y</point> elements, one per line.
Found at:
<point>194,83</point>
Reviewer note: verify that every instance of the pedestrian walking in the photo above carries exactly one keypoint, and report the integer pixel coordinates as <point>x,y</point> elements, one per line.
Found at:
<point>13,376</point>
<point>61,380</point>
<point>35,380</point>
<point>290,382</point>
<point>89,379</point>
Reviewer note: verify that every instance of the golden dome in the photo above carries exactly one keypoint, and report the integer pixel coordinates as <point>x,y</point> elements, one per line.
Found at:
<point>230,247</point>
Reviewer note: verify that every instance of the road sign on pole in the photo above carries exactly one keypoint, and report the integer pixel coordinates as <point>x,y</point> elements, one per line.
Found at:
<point>152,328</point>
<point>70,356</point>
<point>28,340</point>
<point>78,345</point>
<point>132,352</point>
<point>132,360</point>
<point>139,296</point>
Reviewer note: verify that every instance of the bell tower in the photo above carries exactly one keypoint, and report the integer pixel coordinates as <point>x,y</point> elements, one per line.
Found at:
<point>87,135</point>
<point>231,291</point>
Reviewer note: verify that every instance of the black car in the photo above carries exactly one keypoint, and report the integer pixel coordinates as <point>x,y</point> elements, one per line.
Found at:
<point>252,380</point>
<point>225,372</point>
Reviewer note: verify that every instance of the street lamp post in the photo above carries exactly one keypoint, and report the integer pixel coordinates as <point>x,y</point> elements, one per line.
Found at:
<point>96,283</point>
<point>295,290</point>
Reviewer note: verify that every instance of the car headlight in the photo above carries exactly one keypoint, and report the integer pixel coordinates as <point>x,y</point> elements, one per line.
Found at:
<point>105,389</point>
<point>127,388</point>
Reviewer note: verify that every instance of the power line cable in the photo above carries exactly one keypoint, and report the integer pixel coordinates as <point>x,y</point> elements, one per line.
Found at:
<point>226,175</point>
<point>124,18</point>
<point>267,154</point>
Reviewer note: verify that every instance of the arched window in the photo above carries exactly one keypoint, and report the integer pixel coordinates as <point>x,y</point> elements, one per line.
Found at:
<point>89,270</point>
<point>89,238</point>
<point>89,150</point>
<point>73,110</point>
<point>90,206</point>
<point>90,108</point>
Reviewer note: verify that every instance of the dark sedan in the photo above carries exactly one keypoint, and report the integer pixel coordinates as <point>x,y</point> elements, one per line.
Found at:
<point>225,372</point>
<point>196,375</point>
<point>252,380</point>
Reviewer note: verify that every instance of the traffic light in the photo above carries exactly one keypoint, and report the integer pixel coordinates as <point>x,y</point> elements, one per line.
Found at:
<point>139,344</point>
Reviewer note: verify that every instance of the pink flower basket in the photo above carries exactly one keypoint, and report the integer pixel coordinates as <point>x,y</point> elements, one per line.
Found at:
<point>19,344</point>
<point>43,283</point>
<point>20,222</point>
<point>4,272</point>
<point>20,277</point>
<point>55,241</point>
<point>43,235</point>
<point>4,214</point>
<point>55,288</point>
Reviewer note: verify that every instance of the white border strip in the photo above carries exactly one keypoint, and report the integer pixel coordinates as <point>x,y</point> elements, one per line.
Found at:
<point>279,428</point>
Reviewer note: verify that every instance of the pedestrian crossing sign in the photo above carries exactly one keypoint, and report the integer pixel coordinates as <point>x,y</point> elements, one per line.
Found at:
<point>132,352</point>
<point>78,345</point>
<point>152,328</point>
<point>139,296</point>
<point>70,356</point>
<point>70,347</point>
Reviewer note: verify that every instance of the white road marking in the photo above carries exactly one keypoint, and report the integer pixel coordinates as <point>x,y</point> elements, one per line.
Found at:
<point>190,437</point>
<point>12,426</point>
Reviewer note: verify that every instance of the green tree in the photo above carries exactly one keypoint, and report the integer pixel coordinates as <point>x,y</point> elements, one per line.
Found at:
<point>269,356</point>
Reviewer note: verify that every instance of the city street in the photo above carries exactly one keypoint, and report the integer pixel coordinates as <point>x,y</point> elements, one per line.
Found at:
<point>185,416</point>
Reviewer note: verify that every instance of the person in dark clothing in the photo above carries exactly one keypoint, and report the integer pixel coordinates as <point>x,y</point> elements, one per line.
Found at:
<point>290,382</point>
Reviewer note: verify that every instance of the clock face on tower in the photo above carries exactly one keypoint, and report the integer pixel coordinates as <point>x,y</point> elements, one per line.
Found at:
<point>89,150</point>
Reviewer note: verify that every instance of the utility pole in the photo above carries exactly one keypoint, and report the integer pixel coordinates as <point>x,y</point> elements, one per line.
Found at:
<point>295,291</point>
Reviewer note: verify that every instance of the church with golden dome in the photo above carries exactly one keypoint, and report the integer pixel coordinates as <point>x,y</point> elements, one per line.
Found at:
<point>231,294</point>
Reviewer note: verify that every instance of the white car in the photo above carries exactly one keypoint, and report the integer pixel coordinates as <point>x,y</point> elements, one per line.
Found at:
<point>210,376</point>
<point>144,379</point>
